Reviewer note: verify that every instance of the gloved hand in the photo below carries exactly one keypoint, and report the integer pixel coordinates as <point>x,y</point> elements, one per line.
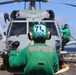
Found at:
<point>15,45</point>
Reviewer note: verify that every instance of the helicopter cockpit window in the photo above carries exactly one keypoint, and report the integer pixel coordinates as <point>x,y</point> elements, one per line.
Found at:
<point>51,27</point>
<point>18,29</point>
<point>31,24</point>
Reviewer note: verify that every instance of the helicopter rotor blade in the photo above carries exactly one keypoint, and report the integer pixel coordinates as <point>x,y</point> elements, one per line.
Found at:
<point>10,1</point>
<point>65,3</point>
<point>7,2</point>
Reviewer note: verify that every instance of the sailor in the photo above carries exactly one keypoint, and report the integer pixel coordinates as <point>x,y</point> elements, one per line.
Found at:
<point>40,59</point>
<point>66,35</point>
<point>65,39</point>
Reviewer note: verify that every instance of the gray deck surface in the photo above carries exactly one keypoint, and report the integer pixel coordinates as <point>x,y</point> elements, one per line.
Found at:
<point>71,58</point>
<point>71,71</point>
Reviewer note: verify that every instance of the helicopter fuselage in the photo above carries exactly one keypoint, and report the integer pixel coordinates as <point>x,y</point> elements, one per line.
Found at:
<point>19,28</point>
<point>22,23</point>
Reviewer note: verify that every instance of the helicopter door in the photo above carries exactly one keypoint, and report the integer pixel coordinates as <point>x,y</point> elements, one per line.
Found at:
<point>18,32</point>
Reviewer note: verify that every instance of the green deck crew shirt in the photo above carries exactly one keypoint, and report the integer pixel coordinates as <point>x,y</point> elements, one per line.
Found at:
<point>66,33</point>
<point>36,57</point>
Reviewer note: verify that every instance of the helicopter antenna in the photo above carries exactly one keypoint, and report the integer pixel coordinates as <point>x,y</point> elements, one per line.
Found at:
<point>65,3</point>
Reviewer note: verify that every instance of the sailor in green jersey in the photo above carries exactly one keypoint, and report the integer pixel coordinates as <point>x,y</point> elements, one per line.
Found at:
<point>65,36</point>
<point>39,58</point>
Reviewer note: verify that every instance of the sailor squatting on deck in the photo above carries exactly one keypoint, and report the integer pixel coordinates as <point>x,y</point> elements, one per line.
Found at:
<point>39,58</point>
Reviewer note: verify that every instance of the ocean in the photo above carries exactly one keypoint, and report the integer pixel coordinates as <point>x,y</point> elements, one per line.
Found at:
<point>70,49</point>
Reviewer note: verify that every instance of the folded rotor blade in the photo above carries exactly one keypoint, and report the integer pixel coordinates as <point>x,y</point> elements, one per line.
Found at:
<point>7,2</point>
<point>65,3</point>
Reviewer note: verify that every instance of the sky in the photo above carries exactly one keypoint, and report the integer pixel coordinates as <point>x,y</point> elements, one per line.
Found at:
<point>63,13</point>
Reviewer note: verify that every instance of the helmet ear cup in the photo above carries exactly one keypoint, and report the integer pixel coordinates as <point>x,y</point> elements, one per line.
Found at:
<point>49,35</point>
<point>30,36</point>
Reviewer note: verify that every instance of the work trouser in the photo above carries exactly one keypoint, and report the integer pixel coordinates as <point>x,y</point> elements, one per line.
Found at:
<point>61,59</point>
<point>64,41</point>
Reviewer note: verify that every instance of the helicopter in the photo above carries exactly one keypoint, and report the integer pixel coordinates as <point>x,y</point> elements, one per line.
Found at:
<point>34,17</point>
<point>21,22</point>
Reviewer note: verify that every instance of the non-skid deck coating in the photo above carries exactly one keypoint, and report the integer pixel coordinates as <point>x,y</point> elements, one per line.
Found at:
<point>70,58</point>
<point>70,71</point>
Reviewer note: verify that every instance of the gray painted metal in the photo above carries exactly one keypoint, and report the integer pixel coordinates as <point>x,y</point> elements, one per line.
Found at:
<point>71,71</point>
<point>2,40</point>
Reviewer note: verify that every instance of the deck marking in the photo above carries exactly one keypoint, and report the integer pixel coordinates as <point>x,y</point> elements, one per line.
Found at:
<point>63,70</point>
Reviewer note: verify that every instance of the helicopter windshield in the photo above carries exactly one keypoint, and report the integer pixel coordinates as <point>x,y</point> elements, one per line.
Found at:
<point>18,28</point>
<point>50,25</point>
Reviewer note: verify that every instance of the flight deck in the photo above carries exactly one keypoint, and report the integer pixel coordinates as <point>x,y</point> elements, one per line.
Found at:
<point>70,58</point>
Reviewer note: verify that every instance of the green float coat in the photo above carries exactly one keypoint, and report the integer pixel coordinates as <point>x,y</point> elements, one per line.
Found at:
<point>39,58</point>
<point>66,33</point>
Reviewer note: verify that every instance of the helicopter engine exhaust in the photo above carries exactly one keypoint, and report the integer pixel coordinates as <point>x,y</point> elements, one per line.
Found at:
<point>51,13</point>
<point>13,14</point>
